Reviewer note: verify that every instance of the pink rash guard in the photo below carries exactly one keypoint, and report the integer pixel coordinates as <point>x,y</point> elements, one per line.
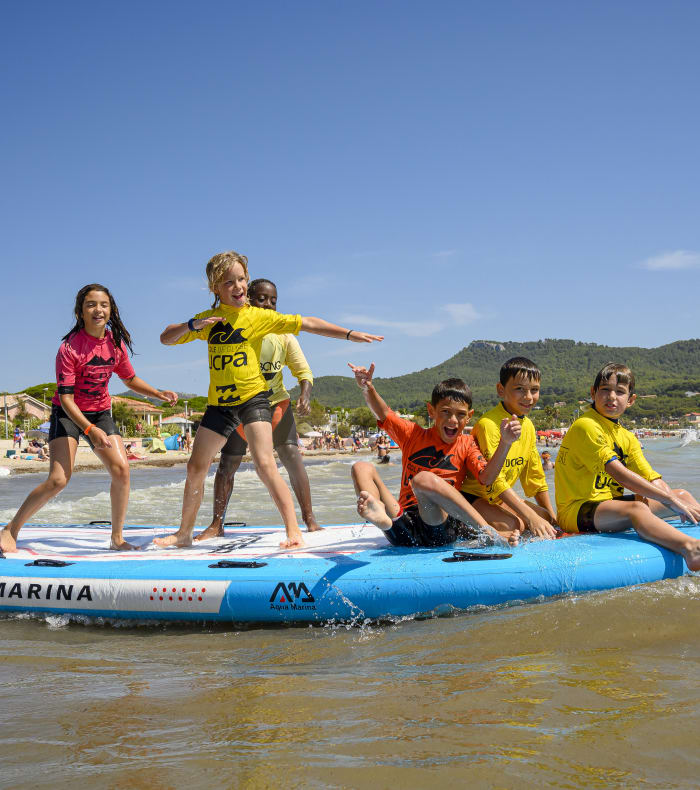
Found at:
<point>84,365</point>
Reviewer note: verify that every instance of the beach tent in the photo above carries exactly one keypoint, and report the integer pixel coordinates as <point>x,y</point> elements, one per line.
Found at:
<point>157,445</point>
<point>171,442</point>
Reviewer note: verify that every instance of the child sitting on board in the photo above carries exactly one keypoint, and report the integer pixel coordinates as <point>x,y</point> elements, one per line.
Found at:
<point>435,460</point>
<point>234,330</point>
<point>519,390</point>
<point>599,459</point>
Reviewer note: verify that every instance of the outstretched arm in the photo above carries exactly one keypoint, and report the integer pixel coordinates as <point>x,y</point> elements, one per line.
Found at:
<point>317,326</point>
<point>173,332</point>
<point>374,400</point>
<point>637,484</point>
<point>143,388</point>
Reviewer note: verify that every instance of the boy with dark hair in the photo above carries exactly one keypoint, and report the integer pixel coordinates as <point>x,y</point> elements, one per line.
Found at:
<point>519,390</point>
<point>599,459</point>
<point>435,460</point>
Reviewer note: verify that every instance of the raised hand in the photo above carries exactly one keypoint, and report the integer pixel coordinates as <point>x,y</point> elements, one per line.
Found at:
<point>363,376</point>
<point>510,429</point>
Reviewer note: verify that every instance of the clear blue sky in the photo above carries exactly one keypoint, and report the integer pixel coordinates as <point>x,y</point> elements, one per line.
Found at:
<point>438,172</point>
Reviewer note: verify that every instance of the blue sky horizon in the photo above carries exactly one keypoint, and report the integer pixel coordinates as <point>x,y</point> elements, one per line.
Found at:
<point>437,173</point>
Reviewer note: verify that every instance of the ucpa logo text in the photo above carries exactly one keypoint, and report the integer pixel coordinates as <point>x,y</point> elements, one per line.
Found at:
<point>293,595</point>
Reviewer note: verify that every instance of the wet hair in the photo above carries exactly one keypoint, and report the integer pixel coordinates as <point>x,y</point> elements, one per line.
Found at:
<point>623,373</point>
<point>253,285</point>
<point>452,389</point>
<point>119,332</point>
<point>219,265</point>
<point>517,366</point>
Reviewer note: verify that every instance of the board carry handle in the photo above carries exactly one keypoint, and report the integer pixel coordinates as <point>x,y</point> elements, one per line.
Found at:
<point>469,556</point>
<point>100,523</point>
<point>238,564</point>
<point>47,564</point>
<point>235,524</point>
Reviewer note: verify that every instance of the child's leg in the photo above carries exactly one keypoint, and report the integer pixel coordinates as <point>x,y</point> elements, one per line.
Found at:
<point>207,444</point>
<point>662,511</point>
<point>436,498</point>
<point>61,461</point>
<point>223,488</point>
<point>500,517</point>
<point>115,462</point>
<point>375,502</point>
<point>259,437</point>
<point>615,515</point>
<point>291,460</point>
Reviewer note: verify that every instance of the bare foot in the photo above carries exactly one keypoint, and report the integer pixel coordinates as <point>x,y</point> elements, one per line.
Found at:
<point>312,524</point>
<point>181,541</point>
<point>372,510</point>
<point>692,557</point>
<point>121,545</point>
<point>7,542</point>
<point>294,539</point>
<point>212,531</point>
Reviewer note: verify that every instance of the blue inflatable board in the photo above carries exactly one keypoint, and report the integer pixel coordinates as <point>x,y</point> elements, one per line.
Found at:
<point>345,573</point>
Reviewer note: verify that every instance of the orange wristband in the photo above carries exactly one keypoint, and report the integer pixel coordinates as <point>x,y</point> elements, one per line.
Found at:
<point>88,429</point>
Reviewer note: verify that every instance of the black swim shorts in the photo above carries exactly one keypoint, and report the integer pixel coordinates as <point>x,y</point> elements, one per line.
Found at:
<point>284,431</point>
<point>585,518</point>
<point>225,419</point>
<point>61,424</point>
<point>409,529</point>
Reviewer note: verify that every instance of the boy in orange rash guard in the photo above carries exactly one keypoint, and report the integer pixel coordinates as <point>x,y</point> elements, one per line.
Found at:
<point>430,510</point>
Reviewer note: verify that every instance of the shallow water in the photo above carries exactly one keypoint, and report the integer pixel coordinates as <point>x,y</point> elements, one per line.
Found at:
<point>598,690</point>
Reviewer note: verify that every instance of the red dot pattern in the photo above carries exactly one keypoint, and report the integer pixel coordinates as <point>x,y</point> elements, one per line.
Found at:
<point>165,592</point>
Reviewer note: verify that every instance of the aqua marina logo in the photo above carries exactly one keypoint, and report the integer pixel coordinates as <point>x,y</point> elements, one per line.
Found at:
<point>292,595</point>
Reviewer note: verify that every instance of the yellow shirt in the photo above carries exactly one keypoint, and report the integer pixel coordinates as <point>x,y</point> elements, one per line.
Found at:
<point>522,462</point>
<point>579,471</point>
<point>276,352</point>
<point>234,350</point>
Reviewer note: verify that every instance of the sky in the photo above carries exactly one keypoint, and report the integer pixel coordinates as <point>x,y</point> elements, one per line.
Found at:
<point>434,172</point>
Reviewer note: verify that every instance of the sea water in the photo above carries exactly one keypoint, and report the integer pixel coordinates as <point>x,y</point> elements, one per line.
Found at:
<point>597,690</point>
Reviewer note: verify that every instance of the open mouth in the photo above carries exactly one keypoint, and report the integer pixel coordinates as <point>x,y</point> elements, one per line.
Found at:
<point>450,433</point>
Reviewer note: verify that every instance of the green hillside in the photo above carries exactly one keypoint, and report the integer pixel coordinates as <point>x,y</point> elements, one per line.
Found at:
<point>568,369</point>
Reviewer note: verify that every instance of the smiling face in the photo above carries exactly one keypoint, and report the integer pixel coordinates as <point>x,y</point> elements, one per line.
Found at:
<point>451,418</point>
<point>519,394</point>
<point>232,289</point>
<point>264,295</point>
<point>96,313</point>
<point>612,398</point>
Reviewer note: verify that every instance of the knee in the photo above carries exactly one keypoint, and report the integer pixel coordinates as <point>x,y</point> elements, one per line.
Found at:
<point>423,481</point>
<point>120,473</point>
<point>265,466</point>
<point>56,483</point>
<point>196,468</point>
<point>681,493</point>
<point>360,468</point>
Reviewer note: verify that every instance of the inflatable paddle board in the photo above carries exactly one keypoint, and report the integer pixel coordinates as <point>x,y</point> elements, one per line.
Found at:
<point>345,573</point>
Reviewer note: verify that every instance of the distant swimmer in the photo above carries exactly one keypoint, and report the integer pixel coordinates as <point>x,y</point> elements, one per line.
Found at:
<point>430,510</point>
<point>94,349</point>
<point>547,463</point>
<point>599,459</point>
<point>276,351</point>
<point>234,330</point>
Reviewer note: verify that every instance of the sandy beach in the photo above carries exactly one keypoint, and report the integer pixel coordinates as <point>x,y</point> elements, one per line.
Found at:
<point>86,460</point>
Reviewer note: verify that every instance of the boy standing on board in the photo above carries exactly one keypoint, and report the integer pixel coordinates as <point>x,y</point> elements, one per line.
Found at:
<point>599,458</point>
<point>234,331</point>
<point>519,390</point>
<point>434,463</point>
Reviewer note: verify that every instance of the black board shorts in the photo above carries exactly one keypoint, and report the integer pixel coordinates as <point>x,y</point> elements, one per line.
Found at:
<point>409,529</point>
<point>284,431</point>
<point>61,425</point>
<point>585,518</point>
<point>225,419</point>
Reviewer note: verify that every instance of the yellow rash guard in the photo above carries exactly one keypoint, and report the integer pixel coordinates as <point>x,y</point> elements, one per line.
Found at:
<point>522,462</point>
<point>579,472</point>
<point>234,350</point>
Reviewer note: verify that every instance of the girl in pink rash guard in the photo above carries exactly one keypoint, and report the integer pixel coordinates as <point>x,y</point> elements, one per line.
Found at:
<point>94,348</point>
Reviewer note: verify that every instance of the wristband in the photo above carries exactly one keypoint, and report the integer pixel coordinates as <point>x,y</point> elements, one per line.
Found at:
<point>190,325</point>
<point>350,331</point>
<point>87,430</point>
